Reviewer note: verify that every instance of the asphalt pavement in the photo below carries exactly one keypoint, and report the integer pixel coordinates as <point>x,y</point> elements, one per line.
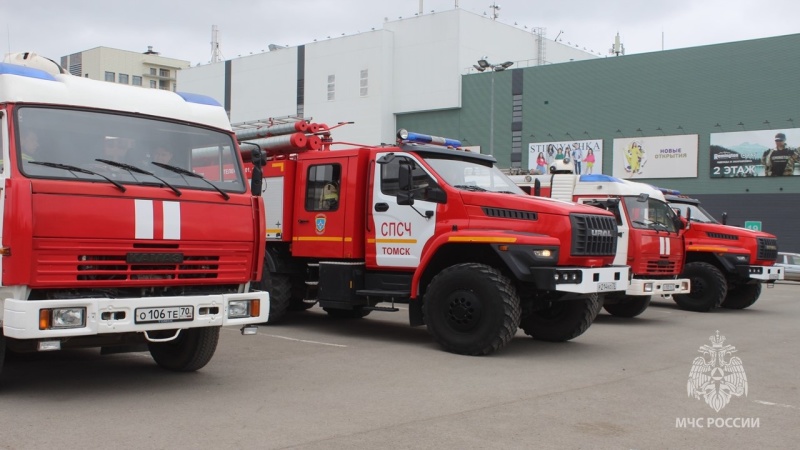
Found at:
<point>314,382</point>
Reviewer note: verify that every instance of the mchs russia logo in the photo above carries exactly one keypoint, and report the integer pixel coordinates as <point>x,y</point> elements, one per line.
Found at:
<point>717,375</point>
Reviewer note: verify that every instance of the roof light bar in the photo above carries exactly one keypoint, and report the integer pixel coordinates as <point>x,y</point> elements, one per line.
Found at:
<point>418,138</point>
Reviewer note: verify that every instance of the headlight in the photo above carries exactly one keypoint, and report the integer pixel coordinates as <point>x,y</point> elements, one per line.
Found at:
<point>543,253</point>
<point>648,287</point>
<point>61,318</point>
<point>239,309</point>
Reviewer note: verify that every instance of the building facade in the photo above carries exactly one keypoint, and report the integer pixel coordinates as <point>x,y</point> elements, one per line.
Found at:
<point>147,69</point>
<point>409,65</point>
<point>699,120</point>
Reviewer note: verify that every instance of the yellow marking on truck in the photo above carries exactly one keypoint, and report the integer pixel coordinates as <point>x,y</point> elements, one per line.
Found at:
<point>278,165</point>
<point>273,230</point>
<point>505,240</point>
<point>319,238</point>
<point>394,241</point>
<point>707,248</point>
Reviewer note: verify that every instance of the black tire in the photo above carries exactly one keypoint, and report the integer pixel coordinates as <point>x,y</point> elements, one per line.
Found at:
<point>709,288</point>
<point>628,306</point>
<point>280,292</point>
<point>356,313</point>
<point>742,296</point>
<point>190,351</point>
<point>563,320</point>
<point>471,309</point>
<point>2,350</point>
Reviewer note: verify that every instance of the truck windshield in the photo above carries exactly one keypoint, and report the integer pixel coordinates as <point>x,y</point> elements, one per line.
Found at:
<point>124,149</point>
<point>471,176</point>
<point>698,213</point>
<point>650,214</point>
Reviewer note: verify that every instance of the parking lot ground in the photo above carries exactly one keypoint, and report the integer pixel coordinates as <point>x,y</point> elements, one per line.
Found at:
<point>313,382</point>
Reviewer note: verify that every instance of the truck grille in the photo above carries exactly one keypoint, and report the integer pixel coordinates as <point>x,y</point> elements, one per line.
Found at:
<point>767,249</point>
<point>716,235</point>
<point>59,263</point>
<point>661,266</point>
<point>593,235</point>
<point>108,267</point>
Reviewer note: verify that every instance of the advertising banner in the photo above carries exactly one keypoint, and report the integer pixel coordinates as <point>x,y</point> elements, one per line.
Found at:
<point>656,157</point>
<point>755,153</point>
<point>587,155</point>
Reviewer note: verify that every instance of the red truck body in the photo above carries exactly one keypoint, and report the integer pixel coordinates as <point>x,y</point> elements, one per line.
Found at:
<point>438,227</point>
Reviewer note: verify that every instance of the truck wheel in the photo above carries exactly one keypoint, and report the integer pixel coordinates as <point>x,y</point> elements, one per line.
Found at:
<point>708,288</point>
<point>2,351</point>
<point>629,306</point>
<point>742,296</point>
<point>471,309</point>
<point>562,321</point>
<point>190,351</point>
<point>280,291</point>
<point>356,313</point>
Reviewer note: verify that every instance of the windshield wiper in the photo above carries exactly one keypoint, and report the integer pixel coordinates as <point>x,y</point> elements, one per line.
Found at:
<point>470,188</point>
<point>79,170</point>
<point>188,173</point>
<point>131,168</point>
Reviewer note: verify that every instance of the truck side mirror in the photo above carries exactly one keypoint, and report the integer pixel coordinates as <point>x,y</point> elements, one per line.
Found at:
<point>724,218</point>
<point>257,174</point>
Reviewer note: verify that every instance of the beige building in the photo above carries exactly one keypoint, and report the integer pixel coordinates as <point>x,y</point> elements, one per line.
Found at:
<point>146,69</point>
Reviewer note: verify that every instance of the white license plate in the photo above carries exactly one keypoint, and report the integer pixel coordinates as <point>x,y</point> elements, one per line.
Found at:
<point>668,287</point>
<point>603,287</point>
<point>773,276</point>
<point>164,315</point>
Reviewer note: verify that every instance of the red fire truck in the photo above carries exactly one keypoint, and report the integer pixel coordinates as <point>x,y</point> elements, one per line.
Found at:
<point>727,264</point>
<point>359,227</point>
<point>651,233</point>
<point>105,245</point>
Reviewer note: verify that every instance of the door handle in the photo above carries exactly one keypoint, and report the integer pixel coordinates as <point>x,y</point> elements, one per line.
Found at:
<point>302,221</point>
<point>381,207</point>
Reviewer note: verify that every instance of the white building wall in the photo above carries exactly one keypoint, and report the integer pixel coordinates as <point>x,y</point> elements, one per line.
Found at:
<point>414,64</point>
<point>263,85</point>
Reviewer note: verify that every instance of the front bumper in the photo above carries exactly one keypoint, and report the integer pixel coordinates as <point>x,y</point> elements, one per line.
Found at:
<point>586,280</point>
<point>659,287</point>
<point>763,273</point>
<point>116,315</point>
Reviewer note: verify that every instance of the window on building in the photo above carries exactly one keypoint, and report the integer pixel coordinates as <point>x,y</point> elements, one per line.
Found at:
<point>137,80</point>
<point>364,82</point>
<point>322,188</point>
<point>110,76</point>
<point>331,88</point>
<point>163,73</point>
<point>123,78</point>
<point>153,84</point>
<point>153,71</point>
<point>164,85</point>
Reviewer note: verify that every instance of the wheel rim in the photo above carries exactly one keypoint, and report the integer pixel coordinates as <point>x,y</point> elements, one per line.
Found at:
<point>464,310</point>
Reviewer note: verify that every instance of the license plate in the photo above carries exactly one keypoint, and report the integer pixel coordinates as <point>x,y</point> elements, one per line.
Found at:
<point>164,315</point>
<point>602,287</point>
<point>668,287</point>
<point>773,276</point>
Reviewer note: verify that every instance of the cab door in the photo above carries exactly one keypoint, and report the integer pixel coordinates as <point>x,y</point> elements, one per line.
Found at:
<point>320,210</point>
<point>398,233</point>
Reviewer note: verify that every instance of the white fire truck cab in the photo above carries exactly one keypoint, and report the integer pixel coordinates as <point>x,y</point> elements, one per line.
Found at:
<point>127,221</point>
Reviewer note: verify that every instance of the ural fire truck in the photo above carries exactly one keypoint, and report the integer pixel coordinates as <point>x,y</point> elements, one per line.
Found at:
<point>104,247</point>
<point>727,265</point>
<point>651,234</point>
<point>422,221</point>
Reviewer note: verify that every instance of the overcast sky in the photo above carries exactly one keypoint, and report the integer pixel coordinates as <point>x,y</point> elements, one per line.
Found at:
<point>182,28</point>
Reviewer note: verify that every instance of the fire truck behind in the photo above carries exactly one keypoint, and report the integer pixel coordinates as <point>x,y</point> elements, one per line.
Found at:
<point>727,265</point>
<point>358,228</point>
<point>651,234</point>
<point>111,238</point>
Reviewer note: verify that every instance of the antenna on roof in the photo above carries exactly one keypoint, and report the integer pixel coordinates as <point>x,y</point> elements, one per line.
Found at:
<point>617,48</point>
<point>216,53</point>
